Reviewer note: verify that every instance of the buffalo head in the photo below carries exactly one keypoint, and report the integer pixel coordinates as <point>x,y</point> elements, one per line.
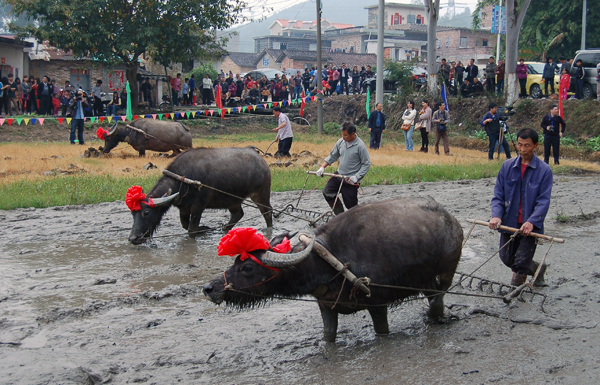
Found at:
<point>254,280</point>
<point>147,213</point>
<point>111,139</point>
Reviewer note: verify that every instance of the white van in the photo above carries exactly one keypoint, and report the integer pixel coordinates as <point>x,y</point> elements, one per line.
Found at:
<point>590,59</point>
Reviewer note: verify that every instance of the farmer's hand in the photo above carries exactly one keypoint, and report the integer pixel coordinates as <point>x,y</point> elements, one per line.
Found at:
<point>561,134</point>
<point>275,129</point>
<point>320,171</point>
<point>527,228</point>
<point>353,179</point>
<point>495,223</point>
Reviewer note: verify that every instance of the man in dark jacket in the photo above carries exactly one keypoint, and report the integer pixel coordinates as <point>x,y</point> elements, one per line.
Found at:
<point>466,89</point>
<point>472,70</point>
<point>376,126</point>
<point>344,73</point>
<point>78,117</point>
<point>491,124</point>
<point>490,76</point>
<point>45,91</point>
<point>459,72</point>
<point>548,75</point>
<point>551,127</point>
<point>579,74</point>
<point>445,73</point>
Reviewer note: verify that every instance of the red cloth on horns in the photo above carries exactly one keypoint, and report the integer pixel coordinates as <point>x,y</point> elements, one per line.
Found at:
<point>101,133</point>
<point>134,197</point>
<point>244,240</point>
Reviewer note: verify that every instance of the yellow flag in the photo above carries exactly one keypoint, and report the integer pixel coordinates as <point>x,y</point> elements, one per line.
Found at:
<point>26,121</point>
<point>68,120</point>
<point>109,119</point>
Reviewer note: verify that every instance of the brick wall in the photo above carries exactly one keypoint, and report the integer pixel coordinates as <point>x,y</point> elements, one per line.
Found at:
<point>474,47</point>
<point>229,65</point>
<point>272,62</point>
<point>60,70</point>
<point>350,43</point>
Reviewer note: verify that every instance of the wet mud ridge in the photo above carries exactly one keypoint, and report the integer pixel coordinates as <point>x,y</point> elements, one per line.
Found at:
<point>80,305</point>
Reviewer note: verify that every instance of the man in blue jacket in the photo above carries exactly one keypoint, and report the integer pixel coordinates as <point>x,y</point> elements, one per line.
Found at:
<point>376,126</point>
<point>521,200</point>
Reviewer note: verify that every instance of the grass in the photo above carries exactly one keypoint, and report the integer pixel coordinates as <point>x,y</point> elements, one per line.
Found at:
<point>32,173</point>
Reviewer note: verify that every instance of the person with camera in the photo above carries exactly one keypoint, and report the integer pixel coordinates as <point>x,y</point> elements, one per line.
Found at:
<point>491,124</point>
<point>76,112</point>
<point>551,128</point>
<point>441,118</point>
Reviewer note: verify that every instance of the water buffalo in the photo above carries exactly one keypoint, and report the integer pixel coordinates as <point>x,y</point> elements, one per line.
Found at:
<point>238,171</point>
<point>161,136</point>
<point>409,242</point>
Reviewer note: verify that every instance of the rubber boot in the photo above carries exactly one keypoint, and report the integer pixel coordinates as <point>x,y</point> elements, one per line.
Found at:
<point>426,149</point>
<point>518,279</point>
<point>533,268</point>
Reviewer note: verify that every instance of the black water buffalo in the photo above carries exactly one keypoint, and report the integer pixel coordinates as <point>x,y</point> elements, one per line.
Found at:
<point>161,136</point>
<point>409,242</point>
<point>237,171</point>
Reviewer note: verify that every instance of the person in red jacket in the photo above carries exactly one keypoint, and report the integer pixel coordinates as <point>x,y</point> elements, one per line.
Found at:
<point>522,75</point>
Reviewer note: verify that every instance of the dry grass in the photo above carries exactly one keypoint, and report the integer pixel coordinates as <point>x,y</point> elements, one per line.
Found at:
<point>25,161</point>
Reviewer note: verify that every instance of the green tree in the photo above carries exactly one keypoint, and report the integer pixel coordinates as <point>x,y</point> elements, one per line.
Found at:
<point>119,31</point>
<point>201,71</point>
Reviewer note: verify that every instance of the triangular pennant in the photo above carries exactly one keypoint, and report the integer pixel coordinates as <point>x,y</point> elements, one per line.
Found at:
<point>68,120</point>
<point>173,116</point>
<point>211,112</point>
<point>271,104</point>
<point>26,121</point>
<point>187,114</point>
<point>110,118</point>
<point>135,117</point>
<point>182,114</point>
<point>160,116</point>
<point>19,120</point>
<point>33,120</point>
<point>102,119</point>
<point>266,105</point>
<point>41,121</point>
<point>239,109</point>
<point>147,116</point>
<point>9,121</point>
<point>123,117</point>
<point>84,119</point>
<point>1,121</point>
<point>154,116</point>
<point>229,110</point>
<point>93,119</point>
<point>253,108</point>
<point>206,112</point>
<point>244,108</point>
<point>167,116</point>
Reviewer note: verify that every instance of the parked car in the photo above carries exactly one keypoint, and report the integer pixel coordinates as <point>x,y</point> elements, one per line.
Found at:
<point>268,72</point>
<point>590,59</point>
<point>535,84</point>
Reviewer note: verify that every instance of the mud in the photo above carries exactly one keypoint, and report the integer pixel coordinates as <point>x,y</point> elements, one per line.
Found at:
<point>79,305</point>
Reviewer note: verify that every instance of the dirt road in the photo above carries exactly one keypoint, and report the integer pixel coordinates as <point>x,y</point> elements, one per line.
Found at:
<point>80,305</point>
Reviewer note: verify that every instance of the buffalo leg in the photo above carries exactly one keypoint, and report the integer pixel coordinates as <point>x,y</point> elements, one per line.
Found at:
<point>379,316</point>
<point>236,214</point>
<point>194,228</point>
<point>184,217</point>
<point>330,323</point>
<point>263,201</point>
<point>436,302</point>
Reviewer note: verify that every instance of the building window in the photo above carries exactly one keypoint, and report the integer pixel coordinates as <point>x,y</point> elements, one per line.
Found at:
<point>412,19</point>
<point>463,42</point>
<point>437,42</point>
<point>484,42</point>
<point>447,41</point>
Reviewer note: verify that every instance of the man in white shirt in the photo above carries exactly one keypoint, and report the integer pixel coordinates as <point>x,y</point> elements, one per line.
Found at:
<point>284,133</point>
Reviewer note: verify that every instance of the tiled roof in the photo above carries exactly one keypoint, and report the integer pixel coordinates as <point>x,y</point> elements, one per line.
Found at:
<point>271,52</point>
<point>243,59</point>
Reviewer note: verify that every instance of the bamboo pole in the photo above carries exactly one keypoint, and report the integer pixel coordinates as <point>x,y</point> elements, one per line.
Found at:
<point>513,230</point>
<point>327,174</point>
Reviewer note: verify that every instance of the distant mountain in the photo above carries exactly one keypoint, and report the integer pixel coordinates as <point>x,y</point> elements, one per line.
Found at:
<point>348,12</point>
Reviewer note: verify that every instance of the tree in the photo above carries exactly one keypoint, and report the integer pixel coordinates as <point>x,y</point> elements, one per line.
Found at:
<point>119,31</point>
<point>432,7</point>
<point>515,13</point>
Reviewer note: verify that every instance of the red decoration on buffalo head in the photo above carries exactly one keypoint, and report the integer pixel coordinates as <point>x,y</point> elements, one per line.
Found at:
<point>101,133</point>
<point>134,197</point>
<point>243,240</point>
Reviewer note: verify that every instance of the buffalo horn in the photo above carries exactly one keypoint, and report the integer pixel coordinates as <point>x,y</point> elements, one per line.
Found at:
<point>112,129</point>
<point>163,201</point>
<point>281,260</point>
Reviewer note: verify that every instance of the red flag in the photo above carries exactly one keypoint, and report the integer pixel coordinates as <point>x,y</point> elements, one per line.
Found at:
<point>219,102</point>
<point>303,104</point>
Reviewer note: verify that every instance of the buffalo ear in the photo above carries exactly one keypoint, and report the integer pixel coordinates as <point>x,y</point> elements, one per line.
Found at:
<point>279,238</point>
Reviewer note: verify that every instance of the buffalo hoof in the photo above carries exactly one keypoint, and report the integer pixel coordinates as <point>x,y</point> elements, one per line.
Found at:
<point>199,231</point>
<point>329,337</point>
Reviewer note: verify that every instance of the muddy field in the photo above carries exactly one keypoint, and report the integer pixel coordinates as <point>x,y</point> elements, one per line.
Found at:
<point>80,305</point>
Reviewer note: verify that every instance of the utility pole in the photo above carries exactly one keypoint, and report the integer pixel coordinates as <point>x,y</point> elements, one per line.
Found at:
<point>381,22</point>
<point>583,24</point>
<point>319,70</point>
<point>499,34</point>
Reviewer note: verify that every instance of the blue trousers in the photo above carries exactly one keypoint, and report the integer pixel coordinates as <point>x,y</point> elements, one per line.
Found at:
<point>76,125</point>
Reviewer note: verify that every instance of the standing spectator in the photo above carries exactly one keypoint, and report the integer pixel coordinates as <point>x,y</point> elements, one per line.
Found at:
<point>45,92</point>
<point>408,117</point>
<point>207,86</point>
<point>376,126</point>
<point>355,80</point>
<point>146,89</point>
<point>445,73</point>
<point>452,78</point>
<point>124,99</point>
<point>285,136</point>
<point>344,74</point>
<point>25,90</point>
<point>459,72</point>
<point>297,86</point>
<point>579,74</point>
<point>368,74</point>
<point>65,100</point>
<point>18,94</point>
<point>522,76</point>
<point>472,70</point>
<point>56,104</point>
<point>598,81</point>
<point>76,111</point>
<point>4,99</point>
<point>441,118</point>
<point>491,124</point>
<point>55,89</point>
<point>354,165</point>
<point>490,76</point>
<point>306,77</point>
<point>500,71</point>
<point>113,106</point>
<point>548,76</point>
<point>553,128</point>
<point>12,95</point>
<point>425,117</point>
<point>97,95</point>
<point>185,91</point>
<point>521,200</point>
<point>33,98</point>
<point>564,64</point>
<point>192,90</point>
<point>336,80</point>
<point>69,87</point>
<point>284,81</point>
<point>565,84</point>
<point>176,85</point>
<point>239,85</point>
